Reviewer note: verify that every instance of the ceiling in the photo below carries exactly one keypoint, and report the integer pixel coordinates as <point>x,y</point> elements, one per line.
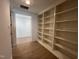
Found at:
<point>36,5</point>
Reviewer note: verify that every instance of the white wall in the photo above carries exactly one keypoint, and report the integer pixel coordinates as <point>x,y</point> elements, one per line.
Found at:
<point>23,26</point>
<point>34,21</point>
<point>5,38</point>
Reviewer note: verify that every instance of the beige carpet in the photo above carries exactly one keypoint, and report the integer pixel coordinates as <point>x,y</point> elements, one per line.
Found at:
<point>31,50</point>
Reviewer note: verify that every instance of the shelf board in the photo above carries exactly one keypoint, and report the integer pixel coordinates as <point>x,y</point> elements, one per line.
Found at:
<point>48,29</point>
<point>40,23</point>
<point>65,30</point>
<point>40,36</point>
<point>66,49</point>
<point>45,45</point>
<point>60,38</point>
<point>48,23</point>
<point>65,21</point>
<point>41,28</point>
<point>40,32</point>
<point>48,40</point>
<point>40,18</point>
<point>68,10</point>
<point>48,16</point>
<point>48,34</point>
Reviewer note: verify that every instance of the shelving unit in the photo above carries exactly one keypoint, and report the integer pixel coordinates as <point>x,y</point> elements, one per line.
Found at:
<point>62,39</point>
<point>65,30</point>
<point>66,49</point>
<point>48,27</point>
<point>58,30</point>
<point>66,27</point>
<point>40,28</point>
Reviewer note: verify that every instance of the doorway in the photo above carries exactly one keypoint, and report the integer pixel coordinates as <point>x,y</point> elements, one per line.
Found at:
<point>23,28</point>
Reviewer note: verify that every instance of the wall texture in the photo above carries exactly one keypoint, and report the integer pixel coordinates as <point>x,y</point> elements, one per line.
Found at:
<point>5,38</point>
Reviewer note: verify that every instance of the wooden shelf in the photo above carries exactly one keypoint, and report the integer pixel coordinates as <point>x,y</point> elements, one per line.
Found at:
<point>45,45</point>
<point>66,49</point>
<point>48,40</point>
<point>48,29</point>
<point>60,38</point>
<point>41,19</point>
<point>40,36</point>
<point>47,34</point>
<point>68,10</point>
<point>49,16</point>
<point>40,32</point>
<point>65,21</point>
<point>65,30</point>
<point>47,22</point>
<point>40,23</point>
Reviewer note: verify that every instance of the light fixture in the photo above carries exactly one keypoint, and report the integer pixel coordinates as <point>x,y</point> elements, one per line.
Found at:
<point>27,2</point>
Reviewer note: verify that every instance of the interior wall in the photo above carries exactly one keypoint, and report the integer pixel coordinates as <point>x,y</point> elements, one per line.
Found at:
<point>13,29</point>
<point>34,21</point>
<point>5,37</point>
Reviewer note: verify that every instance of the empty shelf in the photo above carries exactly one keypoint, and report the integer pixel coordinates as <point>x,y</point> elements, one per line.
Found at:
<point>48,40</point>
<point>65,30</point>
<point>48,16</point>
<point>65,40</point>
<point>66,49</point>
<point>66,10</point>
<point>65,21</point>
<point>40,32</point>
<point>48,34</point>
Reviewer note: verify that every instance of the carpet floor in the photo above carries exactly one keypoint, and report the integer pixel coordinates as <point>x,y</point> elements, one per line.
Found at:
<point>31,50</point>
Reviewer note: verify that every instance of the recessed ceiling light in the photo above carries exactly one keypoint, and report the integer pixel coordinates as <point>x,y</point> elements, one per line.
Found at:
<point>28,2</point>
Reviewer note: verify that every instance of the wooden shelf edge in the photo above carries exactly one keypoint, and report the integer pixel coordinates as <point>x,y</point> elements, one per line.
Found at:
<point>65,21</point>
<point>66,49</point>
<point>47,34</point>
<point>48,40</point>
<point>65,30</point>
<point>49,16</point>
<point>65,40</point>
<point>66,10</point>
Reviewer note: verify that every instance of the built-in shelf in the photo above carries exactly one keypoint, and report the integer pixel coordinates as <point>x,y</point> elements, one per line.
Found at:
<point>68,10</point>
<point>49,16</point>
<point>65,30</point>
<point>66,49</point>
<point>48,29</point>
<point>40,23</point>
<point>54,24</point>
<point>60,38</point>
<point>65,21</point>
<point>40,28</point>
<point>41,19</point>
<point>45,45</point>
<point>48,34</point>
<point>40,32</point>
<point>48,40</point>
<point>47,22</point>
<point>40,36</point>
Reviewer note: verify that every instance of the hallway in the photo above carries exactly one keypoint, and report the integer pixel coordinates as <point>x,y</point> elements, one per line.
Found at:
<point>39,29</point>
<point>31,50</point>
